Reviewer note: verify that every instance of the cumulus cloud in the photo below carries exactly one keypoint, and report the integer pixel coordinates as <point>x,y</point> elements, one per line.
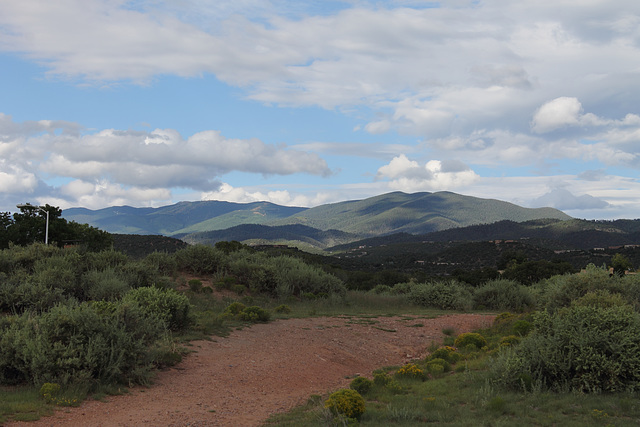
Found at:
<point>110,163</point>
<point>559,113</point>
<point>228,193</point>
<point>409,175</point>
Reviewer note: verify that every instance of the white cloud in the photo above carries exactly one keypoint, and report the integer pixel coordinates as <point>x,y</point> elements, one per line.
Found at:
<point>130,165</point>
<point>408,175</point>
<point>228,193</point>
<point>556,114</point>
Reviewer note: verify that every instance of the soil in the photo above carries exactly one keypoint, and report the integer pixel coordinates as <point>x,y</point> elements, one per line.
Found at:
<point>268,368</point>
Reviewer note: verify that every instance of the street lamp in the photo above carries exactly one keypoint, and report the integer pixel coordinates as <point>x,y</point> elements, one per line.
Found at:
<point>42,209</point>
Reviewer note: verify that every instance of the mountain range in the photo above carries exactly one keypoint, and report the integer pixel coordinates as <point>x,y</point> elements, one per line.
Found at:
<point>318,227</point>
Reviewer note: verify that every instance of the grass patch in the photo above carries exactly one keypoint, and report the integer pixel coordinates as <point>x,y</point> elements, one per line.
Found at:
<point>22,404</point>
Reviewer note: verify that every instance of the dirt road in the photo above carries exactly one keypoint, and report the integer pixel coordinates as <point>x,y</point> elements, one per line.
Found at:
<point>265,369</point>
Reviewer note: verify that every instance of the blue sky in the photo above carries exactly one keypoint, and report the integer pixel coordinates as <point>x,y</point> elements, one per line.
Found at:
<point>150,102</point>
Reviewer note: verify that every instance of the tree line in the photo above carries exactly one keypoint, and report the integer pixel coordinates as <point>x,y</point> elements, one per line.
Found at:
<point>31,225</point>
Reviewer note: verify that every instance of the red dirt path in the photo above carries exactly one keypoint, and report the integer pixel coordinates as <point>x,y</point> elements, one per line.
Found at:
<point>265,369</point>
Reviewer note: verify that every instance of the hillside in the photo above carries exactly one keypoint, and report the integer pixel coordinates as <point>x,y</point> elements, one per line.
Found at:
<point>180,218</point>
<point>416,213</point>
<point>319,227</point>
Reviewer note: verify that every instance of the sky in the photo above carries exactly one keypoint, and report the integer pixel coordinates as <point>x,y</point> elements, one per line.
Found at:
<point>149,102</point>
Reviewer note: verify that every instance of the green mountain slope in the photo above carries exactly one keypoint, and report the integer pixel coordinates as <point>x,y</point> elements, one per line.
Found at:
<point>414,213</point>
<point>390,213</point>
<point>183,217</point>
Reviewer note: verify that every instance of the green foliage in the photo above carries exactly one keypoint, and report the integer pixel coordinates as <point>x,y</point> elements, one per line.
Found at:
<point>105,285</point>
<point>195,285</point>
<point>412,371</point>
<point>165,305</point>
<point>583,348</point>
<point>522,327</point>
<point>449,295</point>
<point>254,314</point>
<point>446,353</point>
<point>361,384</point>
<point>200,259</point>
<point>560,291</point>
<point>77,344</point>
<point>620,264</point>
<point>530,272</point>
<point>381,289</point>
<point>234,308</point>
<point>438,366</point>
<point>49,391</point>
<point>503,294</point>
<point>162,262</point>
<point>30,225</point>
<point>346,402</point>
<point>282,309</point>
<point>470,339</point>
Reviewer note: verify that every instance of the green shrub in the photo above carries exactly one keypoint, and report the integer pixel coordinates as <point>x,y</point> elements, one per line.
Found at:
<point>104,284</point>
<point>450,295</point>
<point>502,294</point>
<point>346,402</point>
<point>255,314</point>
<point>239,289</point>
<point>361,384</point>
<point>200,259</point>
<point>402,288</point>
<point>381,289</point>
<point>446,353</point>
<point>234,308</point>
<point>28,295</point>
<point>77,344</point>
<point>49,391</point>
<point>282,309</point>
<point>581,348</point>
<point>437,365</point>
<point>560,291</point>
<point>600,298</point>
<point>381,378</point>
<point>162,262</point>
<point>195,285</point>
<point>103,260</point>
<point>522,327</point>
<point>166,305</point>
<point>509,340</point>
<point>470,339</point>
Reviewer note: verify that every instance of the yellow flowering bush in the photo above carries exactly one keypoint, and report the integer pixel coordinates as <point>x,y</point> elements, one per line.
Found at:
<point>346,402</point>
<point>411,370</point>
<point>470,339</point>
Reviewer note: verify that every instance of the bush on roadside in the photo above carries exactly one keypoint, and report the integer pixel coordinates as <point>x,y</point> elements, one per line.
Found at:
<point>78,344</point>
<point>346,402</point>
<point>581,348</point>
<point>166,305</point>
<point>503,294</point>
<point>449,295</point>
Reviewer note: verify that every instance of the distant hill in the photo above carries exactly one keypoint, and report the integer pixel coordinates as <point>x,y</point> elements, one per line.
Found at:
<point>320,227</point>
<point>180,218</point>
<point>552,233</point>
<point>416,213</point>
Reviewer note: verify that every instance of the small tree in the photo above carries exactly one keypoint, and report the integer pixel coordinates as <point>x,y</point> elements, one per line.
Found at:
<point>620,264</point>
